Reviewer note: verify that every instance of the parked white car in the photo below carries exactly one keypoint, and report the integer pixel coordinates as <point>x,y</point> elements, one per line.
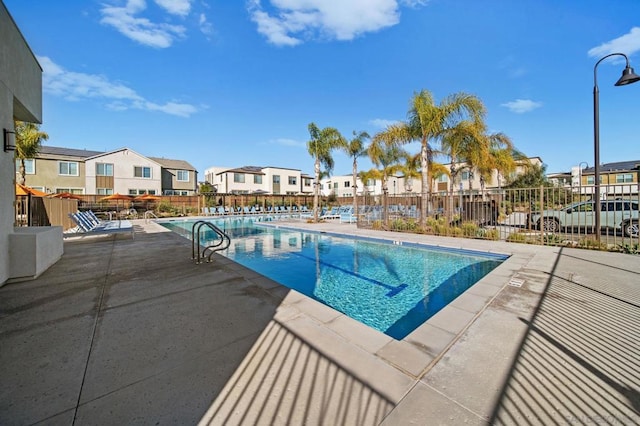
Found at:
<point>620,215</point>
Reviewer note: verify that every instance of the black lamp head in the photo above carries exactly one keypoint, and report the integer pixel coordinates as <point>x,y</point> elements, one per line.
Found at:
<point>628,77</point>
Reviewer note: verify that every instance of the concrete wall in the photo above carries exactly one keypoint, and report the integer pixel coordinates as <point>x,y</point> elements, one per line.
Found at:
<point>20,98</point>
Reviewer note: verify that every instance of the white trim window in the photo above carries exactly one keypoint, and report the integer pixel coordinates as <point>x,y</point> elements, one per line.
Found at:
<point>68,168</point>
<point>624,178</point>
<point>29,166</point>
<point>104,169</point>
<point>104,191</point>
<point>143,172</point>
<point>182,175</point>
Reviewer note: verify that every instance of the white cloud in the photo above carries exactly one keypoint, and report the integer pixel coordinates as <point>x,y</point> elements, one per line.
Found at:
<point>382,122</point>
<point>205,26</point>
<point>628,44</point>
<point>291,22</point>
<point>76,86</point>
<point>520,106</point>
<point>142,30</point>
<point>175,7</point>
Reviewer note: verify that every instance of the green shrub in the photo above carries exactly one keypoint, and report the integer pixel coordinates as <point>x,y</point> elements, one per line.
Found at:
<point>517,238</point>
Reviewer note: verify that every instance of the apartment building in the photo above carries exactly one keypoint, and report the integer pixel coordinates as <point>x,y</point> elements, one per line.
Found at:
<point>121,171</point>
<point>259,180</point>
<point>616,179</point>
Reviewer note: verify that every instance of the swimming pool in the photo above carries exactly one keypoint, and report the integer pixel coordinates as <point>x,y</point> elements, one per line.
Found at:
<point>390,286</point>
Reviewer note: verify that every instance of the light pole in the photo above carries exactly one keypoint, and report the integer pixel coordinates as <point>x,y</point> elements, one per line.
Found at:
<point>628,77</point>
<point>586,165</point>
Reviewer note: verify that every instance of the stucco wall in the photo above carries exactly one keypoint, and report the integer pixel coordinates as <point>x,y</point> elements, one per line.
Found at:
<point>124,162</point>
<point>20,98</point>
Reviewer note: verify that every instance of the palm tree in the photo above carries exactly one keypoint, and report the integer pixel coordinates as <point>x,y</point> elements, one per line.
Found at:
<point>356,148</point>
<point>427,122</point>
<point>410,169</point>
<point>28,144</point>
<point>387,159</point>
<point>322,142</point>
<point>466,146</point>
<point>499,157</point>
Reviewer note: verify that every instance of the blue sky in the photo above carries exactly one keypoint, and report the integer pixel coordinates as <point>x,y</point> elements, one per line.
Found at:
<point>236,82</point>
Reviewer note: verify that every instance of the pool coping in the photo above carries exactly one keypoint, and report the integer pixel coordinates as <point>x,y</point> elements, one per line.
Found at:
<point>416,354</point>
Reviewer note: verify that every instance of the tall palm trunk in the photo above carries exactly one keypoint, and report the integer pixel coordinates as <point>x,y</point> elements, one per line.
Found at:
<point>316,191</point>
<point>425,182</point>
<point>354,170</point>
<point>22,171</point>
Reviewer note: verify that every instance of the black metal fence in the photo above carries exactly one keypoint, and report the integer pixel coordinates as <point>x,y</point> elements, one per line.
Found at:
<point>545,215</point>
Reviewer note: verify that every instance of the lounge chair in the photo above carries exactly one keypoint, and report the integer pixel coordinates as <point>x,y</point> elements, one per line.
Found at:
<point>333,214</point>
<point>86,225</point>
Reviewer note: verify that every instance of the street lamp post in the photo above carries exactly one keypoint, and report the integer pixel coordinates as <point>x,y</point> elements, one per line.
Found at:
<point>628,77</point>
<point>586,165</point>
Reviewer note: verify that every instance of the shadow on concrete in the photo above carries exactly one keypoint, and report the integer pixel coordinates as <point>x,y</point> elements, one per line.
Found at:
<point>578,361</point>
<point>286,380</point>
<point>127,331</point>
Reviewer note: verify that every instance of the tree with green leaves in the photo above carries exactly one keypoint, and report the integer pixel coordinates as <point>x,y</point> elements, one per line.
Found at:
<point>409,169</point>
<point>387,159</point>
<point>320,146</point>
<point>427,122</point>
<point>355,149</point>
<point>28,144</point>
<point>533,177</point>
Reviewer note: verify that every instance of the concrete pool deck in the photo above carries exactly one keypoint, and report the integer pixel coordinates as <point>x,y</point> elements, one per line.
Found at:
<point>131,331</point>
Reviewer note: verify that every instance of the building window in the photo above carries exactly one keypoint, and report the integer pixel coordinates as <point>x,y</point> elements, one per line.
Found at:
<point>347,184</point>
<point>142,172</point>
<point>68,168</point>
<point>624,178</point>
<point>238,177</point>
<point>292,180</point>
<point>104,169</point>
<point>104,191</point>
<point>443,178</point>
<point>335,185</point>
<point>307,182</point>
<point>257,179</point>
<point>371,182</point>
<point>29,166</point>
<point>276,178</point>
<point>465,175</point>
<point>182,176</point>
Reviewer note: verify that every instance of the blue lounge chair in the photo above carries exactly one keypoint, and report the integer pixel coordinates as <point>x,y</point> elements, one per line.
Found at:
<point>86,225</point>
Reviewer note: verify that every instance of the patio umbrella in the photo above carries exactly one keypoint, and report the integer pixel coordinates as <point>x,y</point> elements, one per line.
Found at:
<point>25,190</point>
<point>66,195</point>
<point>147,197</point>
<point>117,197</point>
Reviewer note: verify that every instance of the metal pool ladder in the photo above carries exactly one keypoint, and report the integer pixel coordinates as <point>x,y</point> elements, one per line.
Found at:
<point>199,254</point>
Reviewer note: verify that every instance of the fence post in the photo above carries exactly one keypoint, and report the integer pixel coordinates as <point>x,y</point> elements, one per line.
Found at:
<point>541,217</point>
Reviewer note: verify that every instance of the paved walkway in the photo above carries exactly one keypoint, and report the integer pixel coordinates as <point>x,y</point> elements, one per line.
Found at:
<point>130,331</point>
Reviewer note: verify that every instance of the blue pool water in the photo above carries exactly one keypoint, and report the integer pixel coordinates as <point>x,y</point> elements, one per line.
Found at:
<point>391,287</point>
